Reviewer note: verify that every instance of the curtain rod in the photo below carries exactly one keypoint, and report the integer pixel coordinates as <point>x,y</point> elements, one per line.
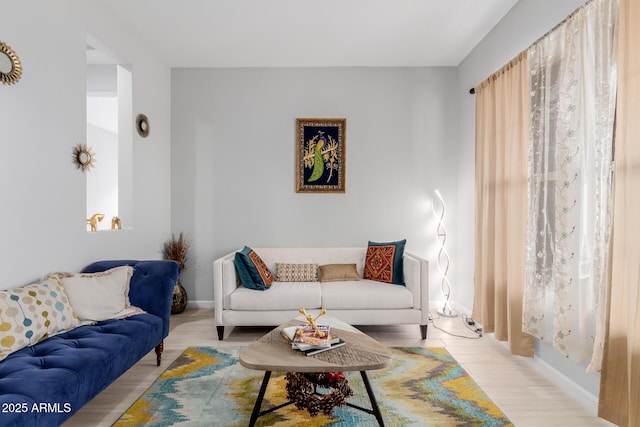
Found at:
<point>472,91</point>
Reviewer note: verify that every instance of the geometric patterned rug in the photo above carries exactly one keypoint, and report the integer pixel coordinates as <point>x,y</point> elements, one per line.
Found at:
<point>208,387</point>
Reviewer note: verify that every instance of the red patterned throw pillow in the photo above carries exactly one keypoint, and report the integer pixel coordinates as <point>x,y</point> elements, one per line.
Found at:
<point>383,262</point>
<point>261,267</point>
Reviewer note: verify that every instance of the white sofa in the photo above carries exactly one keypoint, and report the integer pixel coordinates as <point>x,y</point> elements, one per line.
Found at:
<point>362,302</point>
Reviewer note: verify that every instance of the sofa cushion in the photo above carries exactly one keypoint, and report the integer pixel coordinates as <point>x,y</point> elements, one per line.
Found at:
<point>338,272</point>
<point>281,296</point>
<point>286,272</point>
<point>383,262</point>
<point>253,272</point>
<point>366,295</point>
<point>99,296</point>
<point>31,313</point>
<point>73,367</point>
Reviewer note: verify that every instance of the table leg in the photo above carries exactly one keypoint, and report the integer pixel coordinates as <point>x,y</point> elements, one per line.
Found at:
<point>256,408</point>
<point>374,404</point>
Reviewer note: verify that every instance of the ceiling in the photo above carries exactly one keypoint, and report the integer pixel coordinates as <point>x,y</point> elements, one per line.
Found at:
<point>311,33</point>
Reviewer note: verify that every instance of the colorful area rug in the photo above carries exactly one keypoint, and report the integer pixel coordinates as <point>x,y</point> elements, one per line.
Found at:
<point>208,387</point>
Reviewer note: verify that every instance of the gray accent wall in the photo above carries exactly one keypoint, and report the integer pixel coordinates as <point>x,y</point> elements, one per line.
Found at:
<point>233,160</point>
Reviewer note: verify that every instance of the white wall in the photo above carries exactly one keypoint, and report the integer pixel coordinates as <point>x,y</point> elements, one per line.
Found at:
<point>43,117</point>
<point>522,26</point>
<point>102,181</point>
<point>233,133</point>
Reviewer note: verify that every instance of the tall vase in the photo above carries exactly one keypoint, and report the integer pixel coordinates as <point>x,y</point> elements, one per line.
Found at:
<point>179,302</point>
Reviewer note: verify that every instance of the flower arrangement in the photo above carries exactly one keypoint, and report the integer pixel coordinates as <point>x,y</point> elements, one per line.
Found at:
<point>302,391</point>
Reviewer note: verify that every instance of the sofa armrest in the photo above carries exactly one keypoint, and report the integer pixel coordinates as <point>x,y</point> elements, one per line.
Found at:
<point>416,271</point>
<point>151,286</point>
<point>225,281</point>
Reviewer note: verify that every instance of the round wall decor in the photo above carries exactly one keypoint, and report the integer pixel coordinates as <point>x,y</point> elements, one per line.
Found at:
<point>83,157</point>
<point>10,66</point>
<point>142,125</point>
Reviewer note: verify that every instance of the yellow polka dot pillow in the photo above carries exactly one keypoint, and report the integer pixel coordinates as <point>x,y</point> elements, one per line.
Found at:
<point>32,313</point>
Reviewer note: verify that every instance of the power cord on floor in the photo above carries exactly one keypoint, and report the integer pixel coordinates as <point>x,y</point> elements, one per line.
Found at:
<point>468,322</point>
<point>471,324</point>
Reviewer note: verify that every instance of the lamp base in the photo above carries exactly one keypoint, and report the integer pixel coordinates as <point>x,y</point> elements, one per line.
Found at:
<point>447,311</point>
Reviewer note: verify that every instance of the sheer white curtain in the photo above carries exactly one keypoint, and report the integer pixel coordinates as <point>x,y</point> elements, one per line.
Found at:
<point>573,90</point>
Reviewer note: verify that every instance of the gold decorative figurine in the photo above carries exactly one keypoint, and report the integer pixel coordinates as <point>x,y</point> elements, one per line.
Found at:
<point>94,220</point>
<point>312,322</point>
<point>116,224</point>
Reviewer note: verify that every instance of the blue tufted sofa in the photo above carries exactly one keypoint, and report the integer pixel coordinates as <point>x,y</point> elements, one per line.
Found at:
<point>47,383</point>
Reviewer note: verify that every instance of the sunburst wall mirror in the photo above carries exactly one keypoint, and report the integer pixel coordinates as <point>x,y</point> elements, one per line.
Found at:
<point>10,66</point>
<point>83,157</point>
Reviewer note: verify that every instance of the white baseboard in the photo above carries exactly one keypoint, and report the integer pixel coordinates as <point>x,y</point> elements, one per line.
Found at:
<point>200,304</point>
<point>588,400</point>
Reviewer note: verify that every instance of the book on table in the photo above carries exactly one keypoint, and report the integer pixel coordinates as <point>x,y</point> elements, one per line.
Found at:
<point>305,338</point>
<point>335,343</point>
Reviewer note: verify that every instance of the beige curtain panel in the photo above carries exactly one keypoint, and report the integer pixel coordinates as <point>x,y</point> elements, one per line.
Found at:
<point>501,203</point>
<point>620,377</point>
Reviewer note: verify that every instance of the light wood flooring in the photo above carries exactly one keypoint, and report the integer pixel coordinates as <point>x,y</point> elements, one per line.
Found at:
<point>525,395</point>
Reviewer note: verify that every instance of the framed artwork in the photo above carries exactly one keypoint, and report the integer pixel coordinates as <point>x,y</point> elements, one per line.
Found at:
<point>320,155</point>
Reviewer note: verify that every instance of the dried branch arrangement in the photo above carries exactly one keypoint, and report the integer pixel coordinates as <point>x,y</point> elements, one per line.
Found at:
<point>176,249</point>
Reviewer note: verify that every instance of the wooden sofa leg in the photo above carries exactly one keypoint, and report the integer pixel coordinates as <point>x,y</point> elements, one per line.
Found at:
<point>423,331</point>
<point>220,332</point>
<point>159,349</point>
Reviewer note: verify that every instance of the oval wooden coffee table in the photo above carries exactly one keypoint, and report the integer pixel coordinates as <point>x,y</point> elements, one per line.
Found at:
<point>272,353</point>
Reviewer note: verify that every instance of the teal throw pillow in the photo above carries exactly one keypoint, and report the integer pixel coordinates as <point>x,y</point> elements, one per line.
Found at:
<point>253,272</point>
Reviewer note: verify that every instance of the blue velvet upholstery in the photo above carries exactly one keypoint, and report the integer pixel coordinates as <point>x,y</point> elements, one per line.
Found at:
<point>62,373</point>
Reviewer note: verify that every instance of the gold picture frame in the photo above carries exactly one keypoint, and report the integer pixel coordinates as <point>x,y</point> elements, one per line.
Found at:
<point>321,155</point>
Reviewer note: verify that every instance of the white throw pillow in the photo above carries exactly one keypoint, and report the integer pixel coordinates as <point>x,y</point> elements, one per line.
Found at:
<point>99,296</point>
